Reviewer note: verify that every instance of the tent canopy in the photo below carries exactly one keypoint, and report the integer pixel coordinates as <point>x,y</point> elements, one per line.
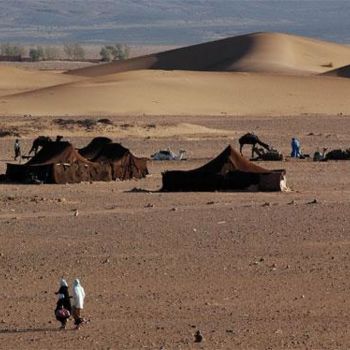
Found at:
<point>228,171</point>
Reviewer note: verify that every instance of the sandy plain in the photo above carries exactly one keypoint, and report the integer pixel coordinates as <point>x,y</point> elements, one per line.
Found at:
<point>249,270</point>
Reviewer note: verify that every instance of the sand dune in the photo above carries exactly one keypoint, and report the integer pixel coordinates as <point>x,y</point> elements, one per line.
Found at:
<point>14,80</point>
<point>343,72</point>
<point>259,52</point>
<point>186,93</point>
<point>257,74</point>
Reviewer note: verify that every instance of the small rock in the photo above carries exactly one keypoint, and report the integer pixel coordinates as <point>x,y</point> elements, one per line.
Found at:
<point>292,202</point>
<point>267,204</point>
<point>315,201</point>
<point>198,337</point>
<point>76,212</point>
<point>149,205</point>
<point>173,209</point>
<point>194,230</point>
<point>210,202</point>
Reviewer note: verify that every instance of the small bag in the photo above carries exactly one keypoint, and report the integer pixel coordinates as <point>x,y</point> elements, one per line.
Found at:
<point>62,313</point>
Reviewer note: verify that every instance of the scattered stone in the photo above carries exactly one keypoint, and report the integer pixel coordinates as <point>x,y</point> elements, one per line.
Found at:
<point>149,205</point>
<point>315,201</point>
<point>61,200</point>
<point>293,202</point>
<point>267,204</point>
<point>210,202</point>
<point>198,337</point>
<point>194,230</point>
<point>106,261</point>
<point>76,212</point>
<point>173,209</point>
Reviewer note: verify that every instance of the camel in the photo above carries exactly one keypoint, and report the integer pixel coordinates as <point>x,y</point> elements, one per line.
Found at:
<point>320,156</point>
<point>251,139</point>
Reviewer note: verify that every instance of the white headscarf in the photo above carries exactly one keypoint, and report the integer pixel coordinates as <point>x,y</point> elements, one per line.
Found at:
<point>63,283</point>
<point>78,294</point>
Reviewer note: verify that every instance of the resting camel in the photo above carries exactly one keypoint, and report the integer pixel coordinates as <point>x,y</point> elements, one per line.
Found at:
<point>251,139</point>
<point>42,141</point>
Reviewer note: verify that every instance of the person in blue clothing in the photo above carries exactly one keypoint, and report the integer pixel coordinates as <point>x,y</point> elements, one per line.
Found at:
<point>296,150</point>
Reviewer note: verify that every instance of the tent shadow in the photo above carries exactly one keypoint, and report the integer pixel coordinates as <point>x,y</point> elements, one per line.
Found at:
<point>141,190</point>
<point>28,330</point>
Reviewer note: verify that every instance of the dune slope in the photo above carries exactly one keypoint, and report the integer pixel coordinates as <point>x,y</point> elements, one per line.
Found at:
<point>186,93</point>
<point>342,72</point>
<point>259,52</point>
<point>14,80</point>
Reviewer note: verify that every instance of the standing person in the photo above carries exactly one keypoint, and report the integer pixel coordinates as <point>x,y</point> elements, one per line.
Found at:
<point>296,151</point>
<point>78,302</point>
<point>17,149</point>
<point>63,307</point>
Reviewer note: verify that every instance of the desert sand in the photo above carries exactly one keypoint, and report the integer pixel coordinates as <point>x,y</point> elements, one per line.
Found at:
<point>259,74</point>
<point>249,270</point>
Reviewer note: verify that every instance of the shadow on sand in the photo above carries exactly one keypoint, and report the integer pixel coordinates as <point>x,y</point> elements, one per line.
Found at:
<point>30,330</point>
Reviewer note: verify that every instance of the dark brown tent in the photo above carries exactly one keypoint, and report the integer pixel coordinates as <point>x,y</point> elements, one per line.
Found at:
<point>123,163</point>
<point>94,147</point>
<point>58,162</point>
<point>228,171</point>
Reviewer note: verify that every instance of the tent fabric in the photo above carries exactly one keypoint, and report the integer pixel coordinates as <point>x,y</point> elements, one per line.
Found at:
<point>229,171</point>
<point>60,162</point>
<point>94,147</point>
<point>123,163</point>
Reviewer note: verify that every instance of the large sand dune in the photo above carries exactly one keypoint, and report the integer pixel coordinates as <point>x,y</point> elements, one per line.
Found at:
<point>259,52</point>
<point>257,74</point>
<point>14,80</point>
<point>186,93</point>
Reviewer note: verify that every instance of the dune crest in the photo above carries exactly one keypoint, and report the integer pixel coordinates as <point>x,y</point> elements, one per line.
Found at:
<point>257,52</point>
<point>342,72</point>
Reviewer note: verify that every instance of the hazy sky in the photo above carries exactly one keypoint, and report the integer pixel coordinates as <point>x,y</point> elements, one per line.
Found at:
<point>169,21</point>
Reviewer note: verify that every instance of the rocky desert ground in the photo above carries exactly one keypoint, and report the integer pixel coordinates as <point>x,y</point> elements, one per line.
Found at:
<point>249,270</point>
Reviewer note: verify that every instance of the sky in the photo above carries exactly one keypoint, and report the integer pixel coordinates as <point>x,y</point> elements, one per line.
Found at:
<point>172,22</point>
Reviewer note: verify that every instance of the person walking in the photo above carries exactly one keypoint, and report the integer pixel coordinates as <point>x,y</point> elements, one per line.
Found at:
<point>17,149</point>
<point>63,307</point>
<point>78,303</point>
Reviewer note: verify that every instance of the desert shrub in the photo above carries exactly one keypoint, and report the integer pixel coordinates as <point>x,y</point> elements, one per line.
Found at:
<point>51,53</point>
<point>36,54</point>
<point>8,49</point>
<point>105,121</point>
<point>74,51</point>
<point>85,123</point>
<point>109,53</point>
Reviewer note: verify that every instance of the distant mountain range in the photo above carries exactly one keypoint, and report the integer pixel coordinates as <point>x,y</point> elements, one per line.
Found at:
<point>172,22</point>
